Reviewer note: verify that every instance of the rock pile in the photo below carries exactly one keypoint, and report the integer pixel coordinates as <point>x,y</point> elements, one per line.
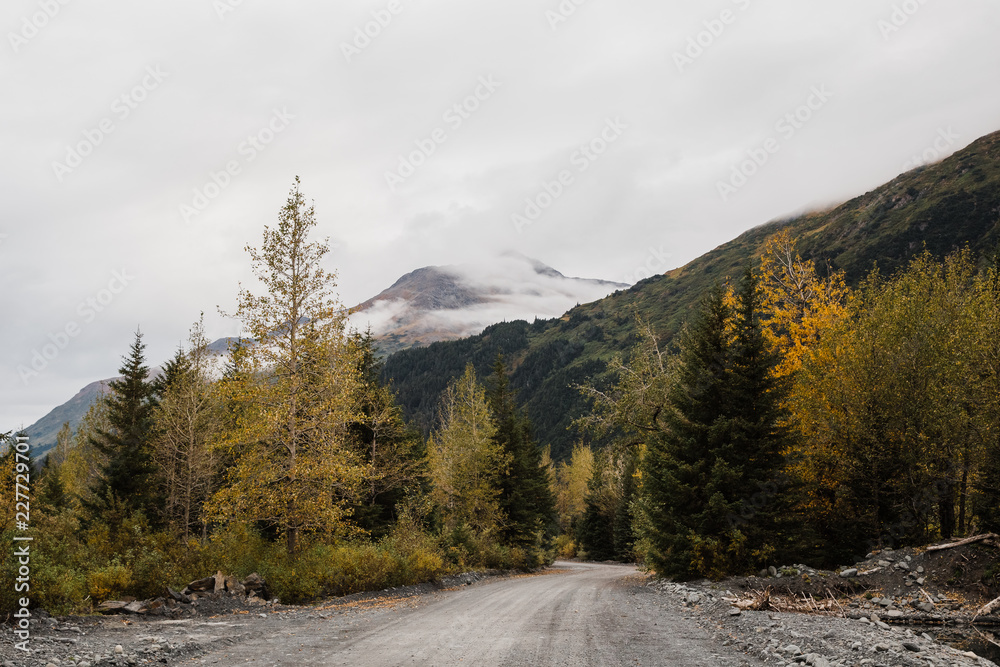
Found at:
<point>252,590</point>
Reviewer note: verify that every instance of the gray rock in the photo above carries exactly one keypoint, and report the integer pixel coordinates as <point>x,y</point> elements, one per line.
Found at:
<point>208,583</point>
<point>171,594</point>
<point>139,607</point>
<point>234,586</point>
<point>910,646</point>
<point>849,572</point>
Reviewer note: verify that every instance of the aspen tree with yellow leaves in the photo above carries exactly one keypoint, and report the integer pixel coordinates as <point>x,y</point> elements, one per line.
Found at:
<point>799,303</point>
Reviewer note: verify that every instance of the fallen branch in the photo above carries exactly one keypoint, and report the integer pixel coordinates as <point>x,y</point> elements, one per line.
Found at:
<point>842,612</point>
<point>967,540</point>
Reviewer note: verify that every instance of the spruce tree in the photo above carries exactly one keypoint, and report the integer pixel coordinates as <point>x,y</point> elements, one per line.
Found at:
<point>175,370</point>
<point>722,444</point>
<point>393,454</point>
<point>526,498</point>
<point>759,434</point>
<point>125,484</point>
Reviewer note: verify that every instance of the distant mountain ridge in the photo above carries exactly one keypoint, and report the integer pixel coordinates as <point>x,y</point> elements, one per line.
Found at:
<point>43,432</point>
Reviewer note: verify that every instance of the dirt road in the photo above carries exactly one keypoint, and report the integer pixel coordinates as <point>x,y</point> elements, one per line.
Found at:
<point>574,614</point>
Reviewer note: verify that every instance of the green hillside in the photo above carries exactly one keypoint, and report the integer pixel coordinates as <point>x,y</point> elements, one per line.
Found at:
<point>941,207</point>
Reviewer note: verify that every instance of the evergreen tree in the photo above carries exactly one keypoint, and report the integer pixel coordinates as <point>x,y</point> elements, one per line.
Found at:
<point>526,498</point>
<point>759,434</point>
<point>50,491</point>
<point>177,369</point>
<point>125,482</point>
<point>605,531</point>
<point>722,443</point>
<point>392,453</point>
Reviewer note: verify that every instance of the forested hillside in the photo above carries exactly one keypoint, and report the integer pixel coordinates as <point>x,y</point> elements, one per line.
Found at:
<point>942,207</point>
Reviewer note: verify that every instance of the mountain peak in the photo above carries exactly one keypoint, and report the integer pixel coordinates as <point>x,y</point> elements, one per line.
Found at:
<point>437,303</point>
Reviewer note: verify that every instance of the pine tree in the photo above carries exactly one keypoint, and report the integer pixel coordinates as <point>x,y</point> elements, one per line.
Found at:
<point>176,369</point>
<point>125,482</point>
<point>722,442</point>
<point>606,531</point>
<point>759,433</point>
<point>50,491</point>
<point>526,498</point>
<point>394,455</point>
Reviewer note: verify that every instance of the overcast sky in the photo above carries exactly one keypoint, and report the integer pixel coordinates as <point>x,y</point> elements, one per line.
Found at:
<point>622,121</point>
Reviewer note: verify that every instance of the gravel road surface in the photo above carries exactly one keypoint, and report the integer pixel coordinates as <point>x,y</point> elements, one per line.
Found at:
<point>573,614</point>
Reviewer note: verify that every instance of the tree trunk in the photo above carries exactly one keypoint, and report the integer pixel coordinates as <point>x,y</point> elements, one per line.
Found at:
<point>963,494</point>
<point>946,510</point>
